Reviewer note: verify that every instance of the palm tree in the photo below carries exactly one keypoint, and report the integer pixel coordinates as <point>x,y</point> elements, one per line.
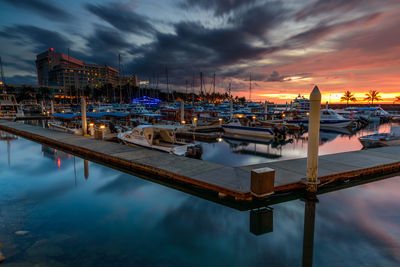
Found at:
<point>396,99</point>
<point>373,95</point>
<point>348,96</point>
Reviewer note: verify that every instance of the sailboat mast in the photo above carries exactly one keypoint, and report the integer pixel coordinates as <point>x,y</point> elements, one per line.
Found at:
<point>119,78</point>
<point>213,97</point>
<point>166,74</point>
<point>250,87</point>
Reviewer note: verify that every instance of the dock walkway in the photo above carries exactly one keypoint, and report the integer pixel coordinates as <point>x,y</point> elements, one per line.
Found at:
<point>230,181</point>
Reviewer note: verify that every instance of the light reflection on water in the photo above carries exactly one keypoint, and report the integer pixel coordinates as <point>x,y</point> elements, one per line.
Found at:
<point>115,219</point>
<point>239,152</point>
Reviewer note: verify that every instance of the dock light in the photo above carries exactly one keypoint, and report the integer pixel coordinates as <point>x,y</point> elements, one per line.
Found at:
<point>195,118</point>
<point>219,139</point>
<point>254,117</point>
<point>220,119</point>
<point>308,113</point>
<point>183,122</point>
<point>91,124</point>
<point>102,127</point>
<point>240,116</point>
<point>62,111</point>
<point>283,115</point>
<point>94,110</point>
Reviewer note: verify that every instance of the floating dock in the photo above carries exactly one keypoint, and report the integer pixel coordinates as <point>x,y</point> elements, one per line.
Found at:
<point>209,177</point>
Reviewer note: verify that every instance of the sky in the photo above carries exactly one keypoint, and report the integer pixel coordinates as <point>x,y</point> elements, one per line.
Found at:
<point>286,46</point>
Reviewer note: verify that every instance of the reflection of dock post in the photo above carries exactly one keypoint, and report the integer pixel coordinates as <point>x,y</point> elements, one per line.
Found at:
<point>83,116</point>
<point>309,225</point>
<point>8,152</point>
<point>86,168</point>
<point>313,140</point>
<point>261,221</point>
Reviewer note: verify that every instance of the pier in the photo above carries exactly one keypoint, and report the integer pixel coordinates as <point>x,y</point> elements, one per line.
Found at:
<point>208,177</point>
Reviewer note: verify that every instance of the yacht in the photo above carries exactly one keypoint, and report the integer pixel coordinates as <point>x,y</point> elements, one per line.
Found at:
<point>160,137</point>
<point>235,127</point>
<point>329,119</point>
<point>9,109</point>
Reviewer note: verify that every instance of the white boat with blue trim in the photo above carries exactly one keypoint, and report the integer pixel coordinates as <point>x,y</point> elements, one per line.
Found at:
<point>235,127</point>
<point>329,119</point>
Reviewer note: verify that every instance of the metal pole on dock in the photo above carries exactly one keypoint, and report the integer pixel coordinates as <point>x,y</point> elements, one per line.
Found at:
<point>83,115</point>
<point>231,109</point>
<point>313,140</point>
<point>182,112</point>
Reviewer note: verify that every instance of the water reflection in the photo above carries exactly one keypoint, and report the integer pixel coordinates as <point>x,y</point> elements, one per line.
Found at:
<point>238,151</point>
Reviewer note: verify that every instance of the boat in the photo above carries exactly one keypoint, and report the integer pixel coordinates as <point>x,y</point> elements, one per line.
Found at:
<point>160,137</point>
<point>329,119</point>
<point>234,127</point>
<point>382,139</point>
<point>9,109</point>
<point>67,127</point>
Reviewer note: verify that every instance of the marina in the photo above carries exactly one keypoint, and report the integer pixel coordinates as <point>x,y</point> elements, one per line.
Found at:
<point>223,180</point>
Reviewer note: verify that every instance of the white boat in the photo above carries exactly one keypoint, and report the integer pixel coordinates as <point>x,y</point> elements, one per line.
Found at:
<point>235,127</point>
<point>159,137</point>
<point>329,119</point>
<point>64,127</point>
<point>382,139</point>
<point>9,109</point>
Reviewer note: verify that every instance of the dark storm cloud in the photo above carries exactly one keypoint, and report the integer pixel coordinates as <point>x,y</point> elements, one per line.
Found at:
<point>46,9</point>
<point>39,39</point>
<point>122,18</point>
<point>194,47</point>
<point>220,7</point>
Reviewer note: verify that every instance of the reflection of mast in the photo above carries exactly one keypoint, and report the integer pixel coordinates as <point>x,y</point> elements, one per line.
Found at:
<point>8,151</point>
<point>86,168</point>
<point>309,224</point>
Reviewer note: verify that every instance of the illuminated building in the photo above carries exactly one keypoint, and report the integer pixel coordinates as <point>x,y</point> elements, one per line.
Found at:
<point>57,69</point>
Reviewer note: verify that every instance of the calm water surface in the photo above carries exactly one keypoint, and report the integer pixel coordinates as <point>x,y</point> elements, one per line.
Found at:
<point>115,219</point>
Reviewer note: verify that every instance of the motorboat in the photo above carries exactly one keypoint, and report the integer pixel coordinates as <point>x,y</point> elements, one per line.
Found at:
<point>67,127</point>
<point>329,119</point>
<point>234,127</point>
<point>160,137</point>
<point>382,139</point>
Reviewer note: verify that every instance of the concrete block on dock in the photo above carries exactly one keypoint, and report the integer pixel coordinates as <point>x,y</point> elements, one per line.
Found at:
<point>262,182</point>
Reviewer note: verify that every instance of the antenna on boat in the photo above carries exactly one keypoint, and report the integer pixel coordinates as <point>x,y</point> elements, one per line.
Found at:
<point>250,88</point>
<point>213,97</point>
<point>119,78</point>
<point>3,83</point>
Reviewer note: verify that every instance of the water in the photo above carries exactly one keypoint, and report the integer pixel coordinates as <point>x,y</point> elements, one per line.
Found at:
<point>115,219</point>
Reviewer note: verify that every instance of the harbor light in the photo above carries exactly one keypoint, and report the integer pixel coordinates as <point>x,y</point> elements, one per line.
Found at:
<point>102,127</point>
<point>220,119</point>
<point>183,122</point>
<point>254,117</point>
<point>219,139</point>
<point>195,119</point>
<point>283,115</point>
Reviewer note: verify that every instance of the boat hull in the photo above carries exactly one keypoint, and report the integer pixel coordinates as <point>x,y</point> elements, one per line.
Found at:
<point>249,131</point>
<point>328,124</point>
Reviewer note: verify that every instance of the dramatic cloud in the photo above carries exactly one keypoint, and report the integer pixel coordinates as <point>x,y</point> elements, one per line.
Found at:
<point>122,17</point>
<point>43,8</point>
<point>38,38</point>
<point>219,7</point>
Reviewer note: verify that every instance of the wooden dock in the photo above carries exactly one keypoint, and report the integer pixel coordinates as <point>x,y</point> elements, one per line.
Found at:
<point>207,177</point>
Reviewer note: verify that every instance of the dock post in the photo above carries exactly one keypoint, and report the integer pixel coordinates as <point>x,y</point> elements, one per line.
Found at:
<point>91,128</point>
<point>313,140</point>
<point>231,109</point>
<point>262,182</point>
<point>86,168</point>
<point>83,116</point>
<point>182,112</point>
<point>327,105</point>
<point>266,110</point>
<point>52,106</point>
